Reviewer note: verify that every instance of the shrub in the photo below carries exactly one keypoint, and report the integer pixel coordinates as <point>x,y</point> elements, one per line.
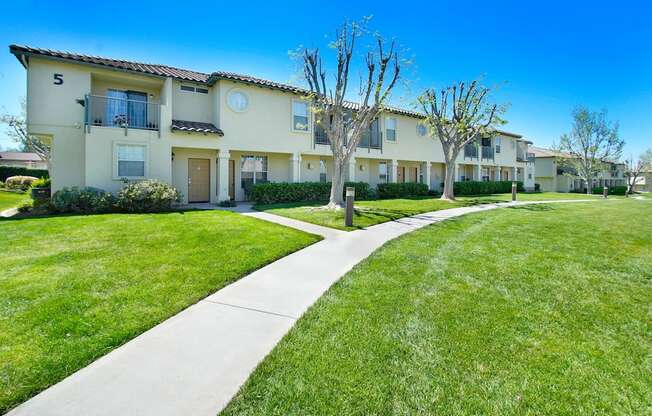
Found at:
<point>85,200</point>
<point>227,203</point>
<point>7,171</point>
<point>618,190</point>
<point>537,187</point>
<point>485,187</point>
<point>20,182</point>
<point>401,190</point>
<point>42,183</point>
<point>147,196</point>
<point>282,192</point>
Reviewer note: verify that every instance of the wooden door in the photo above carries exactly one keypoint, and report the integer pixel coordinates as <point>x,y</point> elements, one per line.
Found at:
<point>199,180</point>
<point>400,177</point>
<point>232,179</point>
<point>415,175</point>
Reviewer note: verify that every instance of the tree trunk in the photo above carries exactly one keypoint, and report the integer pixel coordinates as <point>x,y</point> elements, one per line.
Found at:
<point>449,182</point>
<point>336,200</point>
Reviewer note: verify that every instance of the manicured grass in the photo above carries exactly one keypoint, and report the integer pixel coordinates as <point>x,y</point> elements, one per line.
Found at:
<point>530,310</point>
<point>368,213</point>
<point>73,288</point>
<point>12,199</point>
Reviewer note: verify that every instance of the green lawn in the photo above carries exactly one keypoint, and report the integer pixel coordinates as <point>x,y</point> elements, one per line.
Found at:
<point>529,310</point>
<point>75,287</point>
<point>377,211</point>
<point>12,199</point>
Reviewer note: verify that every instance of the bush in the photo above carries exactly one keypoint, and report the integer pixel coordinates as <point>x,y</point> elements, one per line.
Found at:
<point>85,200</point>
<point>282,192</point>
<point>618,190</point>
<point>147,196</point>
<point>227,203</point>
<point>7,171</point>
<point>537,187</point>
<point>485,187</point>
<point>20,182</point>
<point>42,183</point>
<point>401,190</point>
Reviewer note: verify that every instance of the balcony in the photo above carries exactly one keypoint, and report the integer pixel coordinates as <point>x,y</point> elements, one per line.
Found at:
<point>128,112</point>
<point>487,152</point>
<point>470,151</point>
<point>320,135</point>
<point>371,139</point>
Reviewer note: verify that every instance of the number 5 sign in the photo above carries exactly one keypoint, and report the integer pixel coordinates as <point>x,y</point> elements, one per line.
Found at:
<point>58,79</point>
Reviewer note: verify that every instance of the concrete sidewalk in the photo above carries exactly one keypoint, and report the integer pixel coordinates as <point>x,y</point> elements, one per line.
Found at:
<point>195,362</point>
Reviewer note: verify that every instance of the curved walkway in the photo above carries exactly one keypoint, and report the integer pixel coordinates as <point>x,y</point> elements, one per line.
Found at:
<point>195,362</point>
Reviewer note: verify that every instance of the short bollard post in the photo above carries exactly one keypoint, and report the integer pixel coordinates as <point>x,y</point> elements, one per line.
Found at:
<point>513,191</point>
<point>605,191</point>
<point>350,196</point>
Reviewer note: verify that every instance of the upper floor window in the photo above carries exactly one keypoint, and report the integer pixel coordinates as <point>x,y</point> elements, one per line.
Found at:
<point>390,129</point>
<point>238,101</point>
<point>187,88</point>
<point>201,90</point>
<point>299,115</point>
<point>497,141</point>
<point>131,160</point>
<point>422,130</point>
<point>486,142</point>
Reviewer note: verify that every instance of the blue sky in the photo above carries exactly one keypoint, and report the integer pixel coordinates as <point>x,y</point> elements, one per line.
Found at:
<point>548,57</point>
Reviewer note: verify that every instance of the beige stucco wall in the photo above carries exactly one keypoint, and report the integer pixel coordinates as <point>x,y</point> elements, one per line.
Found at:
<point>265,128</point>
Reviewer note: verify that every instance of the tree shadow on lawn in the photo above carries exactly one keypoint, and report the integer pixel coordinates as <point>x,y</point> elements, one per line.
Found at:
<point>534,207</point>
<point>20,217</point>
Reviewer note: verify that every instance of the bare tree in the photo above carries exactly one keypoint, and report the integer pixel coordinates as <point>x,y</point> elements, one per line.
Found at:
<point>457,115</point>
<point>634,169</point>
<point>343,122</point>
<point>592,142</point>
<point>17,131</point>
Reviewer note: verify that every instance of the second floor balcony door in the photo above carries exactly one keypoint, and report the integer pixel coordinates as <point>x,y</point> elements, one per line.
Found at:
<point>126,108</point>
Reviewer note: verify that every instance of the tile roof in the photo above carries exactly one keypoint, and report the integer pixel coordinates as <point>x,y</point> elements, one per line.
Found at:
<point>541,152</point>
<point>196,127</point>
<point>27,156</point>
<point>21,51</point>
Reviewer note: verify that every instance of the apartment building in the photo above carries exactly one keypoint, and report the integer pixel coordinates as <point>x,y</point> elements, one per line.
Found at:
<point>212,135</point>
<point>554,177</point>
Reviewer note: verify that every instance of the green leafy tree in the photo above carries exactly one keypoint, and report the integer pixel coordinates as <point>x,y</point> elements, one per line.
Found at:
<point>17,131</point>
<point>636,168</point>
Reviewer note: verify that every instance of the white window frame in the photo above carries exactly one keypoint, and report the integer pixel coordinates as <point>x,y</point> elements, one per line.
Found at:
<point>395,129</point>
<point>380,175</point>
<point>241,91</point>
<point>116,171</point>
<point>498,144</point>
<point>255,157</point>
<point>323,170</point>
<point>308,124</point>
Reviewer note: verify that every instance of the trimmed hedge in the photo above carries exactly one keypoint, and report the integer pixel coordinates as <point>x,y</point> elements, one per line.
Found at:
<point>401,190</point>
<point>7,171</point>
<point>614,190</point>
<point>485,187</point>
<point>282,192</point>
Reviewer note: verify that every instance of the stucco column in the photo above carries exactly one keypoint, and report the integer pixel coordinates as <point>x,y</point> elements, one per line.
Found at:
<point>166,106</point>
<point>394,166</point>
<point>427,174</point>
<point>352,169</point>
<point>513,174</point>
<point>477,172</point>
<point>295,167</point>
<point>497,173</point>
<point>457,173</point>
<point>223,175</point>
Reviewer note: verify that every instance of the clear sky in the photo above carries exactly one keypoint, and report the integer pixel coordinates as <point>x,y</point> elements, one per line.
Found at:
<point>552,56</point>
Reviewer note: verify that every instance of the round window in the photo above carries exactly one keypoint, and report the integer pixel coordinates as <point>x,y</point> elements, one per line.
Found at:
<point>238,101</point>
<point>422,130</point>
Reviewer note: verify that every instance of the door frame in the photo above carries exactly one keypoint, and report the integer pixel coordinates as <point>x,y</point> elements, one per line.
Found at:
<point>231,179</point>
<point>190,159</point>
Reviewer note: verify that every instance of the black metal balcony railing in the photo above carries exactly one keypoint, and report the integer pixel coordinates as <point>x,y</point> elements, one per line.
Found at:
<point>487,152</point>
<point>471,151</point>
<point>531,158</point>
<point>370,139</point>
<point>119,112</point>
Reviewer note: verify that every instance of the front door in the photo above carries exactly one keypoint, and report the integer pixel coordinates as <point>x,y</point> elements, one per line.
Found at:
<point>232,179</point>
<point>199,180</point>
<point>400,177</point>
<point>415,174</point>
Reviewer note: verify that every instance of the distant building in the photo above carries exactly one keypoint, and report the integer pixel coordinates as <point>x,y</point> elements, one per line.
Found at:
<point>643,182</point>
<point>22,159</point>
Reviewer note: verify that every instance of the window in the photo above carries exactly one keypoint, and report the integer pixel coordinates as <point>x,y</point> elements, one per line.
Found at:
<point>390,129</point>
<point>238,101</point>
<point>497,141</point>
<point>187,88</point>
<point>130,160</point>
<point>253,169</point>
<point>201,90</point>
<point>486,142</point>
<point>422,130</point>
<point>126,108</point>
<point>323,171</point>
<point>382,172</point>
<point>485,174</point>
<point>299,115</point>
<point>529,176</point>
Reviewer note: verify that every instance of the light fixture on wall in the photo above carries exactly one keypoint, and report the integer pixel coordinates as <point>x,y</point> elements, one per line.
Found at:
<point>361,168</point>
<point>173,156</point>
<point>309,166</point>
